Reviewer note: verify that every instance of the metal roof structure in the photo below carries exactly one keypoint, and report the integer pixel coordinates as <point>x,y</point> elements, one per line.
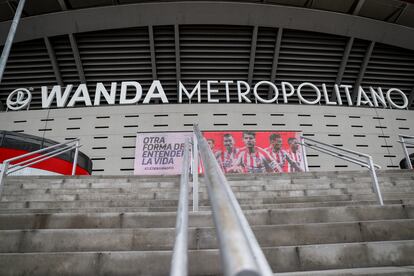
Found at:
<point>393,11</point>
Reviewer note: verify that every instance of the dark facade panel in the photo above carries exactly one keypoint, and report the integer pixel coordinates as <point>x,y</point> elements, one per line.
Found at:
<point>206,52</point>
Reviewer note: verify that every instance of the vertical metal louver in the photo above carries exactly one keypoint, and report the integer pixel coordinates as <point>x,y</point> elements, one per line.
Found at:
<point>29,67</point>
<point>65,59</point>
<point>390,67</point>
<point>212,52</point>
<point>309,57</point>
<point>206,52</point>
<point>164,44</point>
<point>265,50</point>
<point>115,56</point>
<point>353,66</point>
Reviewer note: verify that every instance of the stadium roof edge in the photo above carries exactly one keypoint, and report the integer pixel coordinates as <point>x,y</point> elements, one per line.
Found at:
<point>227,13</point>
<point>397,11</point>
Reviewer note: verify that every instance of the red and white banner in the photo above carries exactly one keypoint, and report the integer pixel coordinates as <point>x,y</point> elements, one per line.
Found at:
<point>160,153</point>
<point>257,151</point>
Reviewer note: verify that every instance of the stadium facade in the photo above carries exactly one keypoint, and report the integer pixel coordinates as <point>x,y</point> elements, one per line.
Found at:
<point>342,71</point>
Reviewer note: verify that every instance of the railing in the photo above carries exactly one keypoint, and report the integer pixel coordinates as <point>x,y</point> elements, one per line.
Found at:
<point>57,149</point>
<point>348,155</point>
<point>194,172</point>
<point>404,143</point>
<point>239,250</point>
<point>179,260</point>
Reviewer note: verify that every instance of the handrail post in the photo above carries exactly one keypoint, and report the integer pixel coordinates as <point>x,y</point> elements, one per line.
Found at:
<point>179,261</point>
<point>369,164</point>
<point>304,157</point>
<point>375,180</point>
<point>3,175</point>
<point>407,156</point>
<point>75,158</point>
<point>195,174</point>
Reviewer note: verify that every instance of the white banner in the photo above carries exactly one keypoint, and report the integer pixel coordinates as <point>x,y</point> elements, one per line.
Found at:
<point>159,153</point>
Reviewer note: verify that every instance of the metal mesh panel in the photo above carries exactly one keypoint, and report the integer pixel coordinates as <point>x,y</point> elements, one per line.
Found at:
<point>309,57</point>
<point>265,50</point>
<point>165,60</point>
<point>214,53</point>
<point>390,67</point>
<point>28,66</point>
<point>206,52</point>
<point>353,66</point>
<point>115,56</point>
<point>65,59</point>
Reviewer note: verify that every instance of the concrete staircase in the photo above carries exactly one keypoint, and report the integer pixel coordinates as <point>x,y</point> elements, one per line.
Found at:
<point>307,224</point>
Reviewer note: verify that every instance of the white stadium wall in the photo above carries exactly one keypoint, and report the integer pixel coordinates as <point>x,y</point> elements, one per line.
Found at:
<point>108,133</point>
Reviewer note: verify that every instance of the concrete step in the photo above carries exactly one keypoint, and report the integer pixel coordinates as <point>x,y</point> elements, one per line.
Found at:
<point>366,271</point>
<point>166,195</point>
<point>142,239</point>
<point>393,189</point>
<point>121,202</point>
<point>10,190</point>
<point>203,219</point>
<point>26,189</point>
<point>304,175</point>
<point>201,208</point>
<point>236,186</point>
<point>385,195</point>
<point>258,179</point>
<point>206,262</point>
<point>46,184</point>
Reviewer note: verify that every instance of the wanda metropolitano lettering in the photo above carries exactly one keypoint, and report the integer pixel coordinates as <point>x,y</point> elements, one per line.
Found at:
<point>131,92</point>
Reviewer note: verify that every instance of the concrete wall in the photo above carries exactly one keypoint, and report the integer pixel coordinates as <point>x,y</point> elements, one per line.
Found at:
<point>108,133</point>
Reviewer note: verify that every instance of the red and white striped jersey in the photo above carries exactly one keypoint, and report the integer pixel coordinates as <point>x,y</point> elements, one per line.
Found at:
<point>228,160</point>
<point>257,162</point>
<point>279,156</point>
<point>295,161</point>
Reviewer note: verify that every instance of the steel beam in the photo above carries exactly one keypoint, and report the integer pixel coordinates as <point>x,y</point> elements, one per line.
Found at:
<point>358,7</point>
<point>62,5</point>
<point>12,7</point>
<point>10,37</point>
<point>275,59</point>
<point>309,4</point>
<point>395,15</point>
<point>403,10</point>
<point>252,55</point>
<point>342,67</point>
<point>177,54</point>
<point>53,61</point>
<point>76,55</point>
<point>152,54</point>
<point>152,51</point>
<point>361,74</point>
<point>252,58</point>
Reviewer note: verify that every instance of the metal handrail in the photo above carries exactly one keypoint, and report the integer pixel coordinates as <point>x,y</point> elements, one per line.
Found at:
<point>179,262</point>
<point>404,143</point>
<point>195,173</point>
<point>239,250</point>
<point>346,154</point>
<point>65,147</point>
